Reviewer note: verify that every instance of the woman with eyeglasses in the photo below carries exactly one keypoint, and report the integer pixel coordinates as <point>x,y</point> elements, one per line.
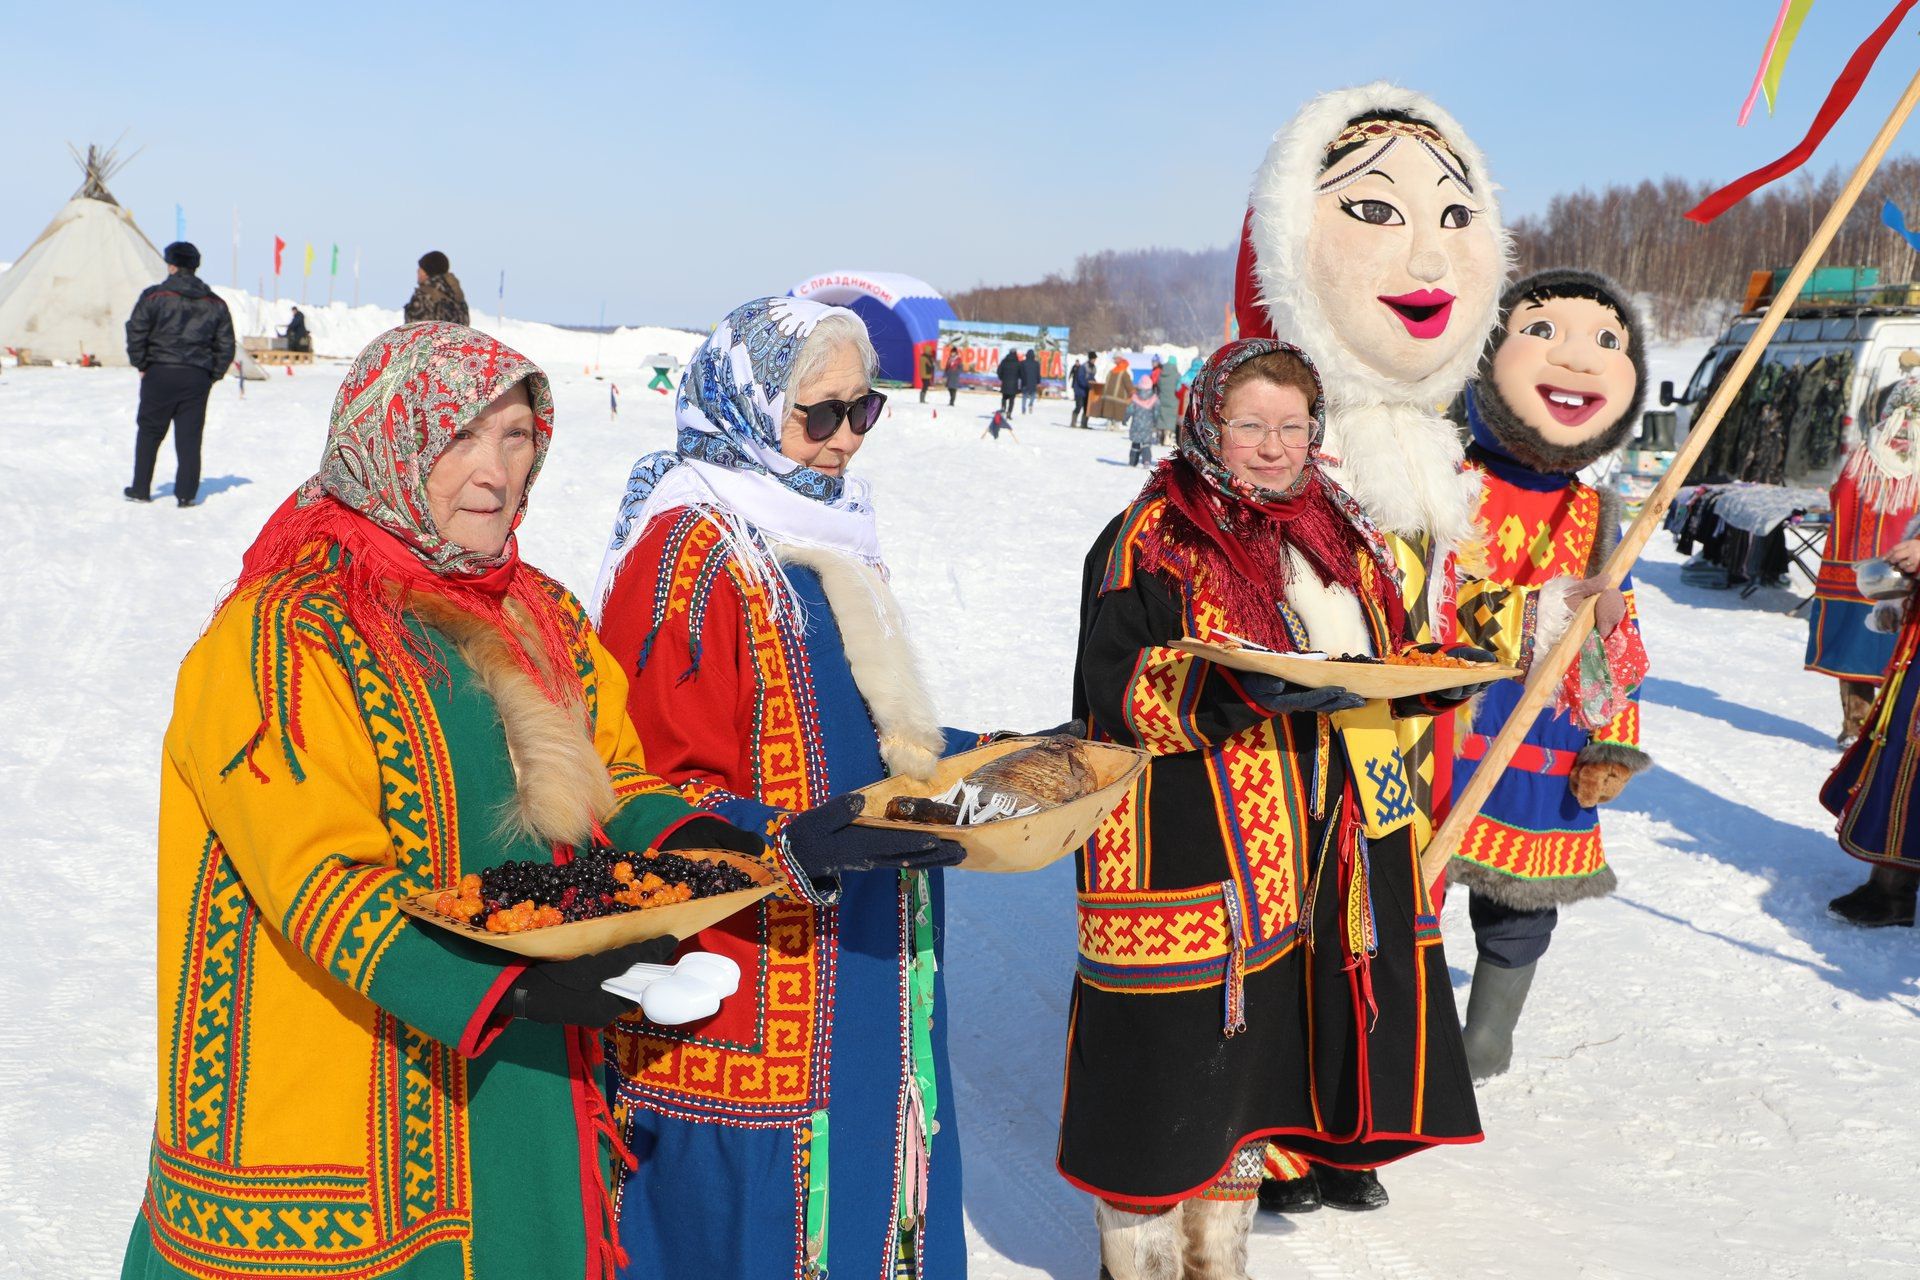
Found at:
<point>810,1122</point>
<point>1251,967</point>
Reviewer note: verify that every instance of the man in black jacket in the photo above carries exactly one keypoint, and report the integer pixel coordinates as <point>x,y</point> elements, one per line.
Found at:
<point>1009,380</point>
<point>180,338</point>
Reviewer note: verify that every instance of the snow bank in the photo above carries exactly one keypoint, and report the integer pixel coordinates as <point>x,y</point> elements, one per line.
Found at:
<point>342,330</point>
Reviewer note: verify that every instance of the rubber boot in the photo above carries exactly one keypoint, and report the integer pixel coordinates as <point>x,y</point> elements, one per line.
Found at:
<point>1886,899</point>
<point>1493,1007</point>
<point>1216,1238</point>
<point>1140,1246</point>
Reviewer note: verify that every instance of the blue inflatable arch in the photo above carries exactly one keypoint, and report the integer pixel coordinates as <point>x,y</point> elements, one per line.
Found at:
<point>903,314</point>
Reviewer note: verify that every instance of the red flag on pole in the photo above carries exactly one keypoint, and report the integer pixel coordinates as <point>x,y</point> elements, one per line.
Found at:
<point>279,247</point>
<point>1839,98</point>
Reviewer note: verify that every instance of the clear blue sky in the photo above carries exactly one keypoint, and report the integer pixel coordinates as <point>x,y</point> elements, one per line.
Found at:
<point>671,161</point>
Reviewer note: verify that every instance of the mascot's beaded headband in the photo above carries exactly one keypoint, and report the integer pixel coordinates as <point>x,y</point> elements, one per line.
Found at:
<point>1376,138</point>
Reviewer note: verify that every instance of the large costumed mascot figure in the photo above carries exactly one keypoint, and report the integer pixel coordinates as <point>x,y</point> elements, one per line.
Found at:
<point>1560,387</point>
<point>1373,240</point>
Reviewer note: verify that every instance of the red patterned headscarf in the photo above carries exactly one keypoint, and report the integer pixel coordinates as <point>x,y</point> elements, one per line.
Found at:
<point>405,398</point>
<point>1241,533</point>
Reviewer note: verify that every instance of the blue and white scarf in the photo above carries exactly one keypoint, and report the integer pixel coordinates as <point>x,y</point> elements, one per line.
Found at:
<point>733,398</point>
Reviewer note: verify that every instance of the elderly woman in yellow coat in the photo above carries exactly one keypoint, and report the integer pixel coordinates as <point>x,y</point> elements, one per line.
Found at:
<point>389,699</point>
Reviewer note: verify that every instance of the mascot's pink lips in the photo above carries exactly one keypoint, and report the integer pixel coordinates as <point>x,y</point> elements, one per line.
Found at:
<point>1425,312</point>
<point>1570,408</point>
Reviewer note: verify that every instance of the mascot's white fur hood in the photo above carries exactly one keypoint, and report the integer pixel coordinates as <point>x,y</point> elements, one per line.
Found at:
<point>1395,452</point>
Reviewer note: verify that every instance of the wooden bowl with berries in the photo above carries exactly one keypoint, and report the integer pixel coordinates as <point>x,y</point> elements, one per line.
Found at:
<point>600,900</point>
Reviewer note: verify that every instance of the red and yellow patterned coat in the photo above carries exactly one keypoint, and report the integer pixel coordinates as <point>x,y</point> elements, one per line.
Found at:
<point>334,1100</point>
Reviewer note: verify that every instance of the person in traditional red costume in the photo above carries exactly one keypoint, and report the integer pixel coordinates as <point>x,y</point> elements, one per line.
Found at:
<point>1874,497</point>
<point>1373,239</point>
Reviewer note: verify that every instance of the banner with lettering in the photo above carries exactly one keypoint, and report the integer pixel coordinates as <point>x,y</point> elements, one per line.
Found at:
<point>982,344</point>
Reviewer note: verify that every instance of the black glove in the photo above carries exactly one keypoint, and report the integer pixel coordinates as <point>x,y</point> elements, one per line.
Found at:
<point>568,992</point>
<point>1071,729</point>
<point>1447,699</point>
<point>1284,698</point>
<point>825,843</point>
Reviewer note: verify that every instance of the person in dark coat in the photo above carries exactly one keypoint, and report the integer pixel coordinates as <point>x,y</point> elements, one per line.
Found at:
<point>1257,955</point>
<point>1009,380</point>
<point>1081,381</point>
<point>436,292</point>
<point>298,339</point>
<point>1029,380</point>
<point>180,338</point>
<point>929,368</point>
<point>953,376</point>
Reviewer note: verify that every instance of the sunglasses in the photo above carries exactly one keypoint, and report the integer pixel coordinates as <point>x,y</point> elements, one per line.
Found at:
<point>860,413</point>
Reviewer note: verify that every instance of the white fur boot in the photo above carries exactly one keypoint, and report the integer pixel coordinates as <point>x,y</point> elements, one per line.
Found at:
<point>1216,1238</point>
<point>1139,1246</point>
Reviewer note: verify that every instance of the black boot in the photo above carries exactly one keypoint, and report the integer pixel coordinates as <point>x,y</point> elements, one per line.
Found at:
<point>131,496</point>
<point>1290,1195</point>
<point>1356,1189</point>
<point>1493,1009</point>
<point>1886,899</point>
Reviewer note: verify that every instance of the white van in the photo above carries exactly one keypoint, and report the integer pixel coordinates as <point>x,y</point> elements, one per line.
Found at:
<point>1875,336</point>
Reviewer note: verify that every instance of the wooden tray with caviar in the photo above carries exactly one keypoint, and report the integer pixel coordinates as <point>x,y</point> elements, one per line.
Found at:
<point>601,900</point>
<point>1403,675</point>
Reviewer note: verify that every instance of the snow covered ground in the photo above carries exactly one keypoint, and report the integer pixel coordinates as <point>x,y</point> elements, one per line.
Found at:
<point>1710,1080</point>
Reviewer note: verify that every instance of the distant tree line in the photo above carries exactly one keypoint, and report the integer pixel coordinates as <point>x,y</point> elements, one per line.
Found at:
<point>1692,277</point>
<point>1118,299</point>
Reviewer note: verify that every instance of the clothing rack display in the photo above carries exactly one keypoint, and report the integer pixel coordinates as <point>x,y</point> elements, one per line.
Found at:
<point>1750,535</point>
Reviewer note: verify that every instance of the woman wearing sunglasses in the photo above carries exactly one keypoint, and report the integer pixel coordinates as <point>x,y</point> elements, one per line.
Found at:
<point>745,595</point>
<point>1252,967</point>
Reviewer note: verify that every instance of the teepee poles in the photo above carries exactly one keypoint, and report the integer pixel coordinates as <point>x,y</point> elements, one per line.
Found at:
<point>1549,669</point>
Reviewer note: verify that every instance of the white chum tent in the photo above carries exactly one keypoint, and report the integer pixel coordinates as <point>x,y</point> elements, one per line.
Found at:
<point>72,290</point>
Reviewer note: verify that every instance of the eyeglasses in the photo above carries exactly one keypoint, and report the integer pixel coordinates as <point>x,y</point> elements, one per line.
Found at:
<point>860,413</point>
<point>1249,433</point>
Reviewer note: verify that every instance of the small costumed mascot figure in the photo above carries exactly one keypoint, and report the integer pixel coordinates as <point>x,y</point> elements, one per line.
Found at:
<point>1373,239</point>
<point>1560,387</point>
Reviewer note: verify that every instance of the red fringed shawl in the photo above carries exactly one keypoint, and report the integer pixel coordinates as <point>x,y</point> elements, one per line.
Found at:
<point>379,573</point>
<point>1241,547</point>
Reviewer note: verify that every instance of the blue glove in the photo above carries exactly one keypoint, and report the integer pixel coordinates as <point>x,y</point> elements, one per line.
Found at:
<point>1284,698</point>
<point>825,843</point>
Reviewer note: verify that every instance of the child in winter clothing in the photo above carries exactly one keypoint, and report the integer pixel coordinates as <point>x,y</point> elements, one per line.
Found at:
<point>1559,387</point>
<point>1143,415</point>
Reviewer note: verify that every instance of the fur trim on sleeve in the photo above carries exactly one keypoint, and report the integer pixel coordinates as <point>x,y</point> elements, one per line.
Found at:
<point>1633,758</point>
<point>1556,611</point>
<point>1886,616</point>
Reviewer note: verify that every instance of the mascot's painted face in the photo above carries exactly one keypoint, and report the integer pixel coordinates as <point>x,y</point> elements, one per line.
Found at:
<point>1396,251</point>
<point>1564,368</point>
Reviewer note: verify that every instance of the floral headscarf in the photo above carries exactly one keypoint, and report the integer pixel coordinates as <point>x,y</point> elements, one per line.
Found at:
<point>1240,535</point>
<point>733,399</point>
<point>403,400</point>
<point>1201,424</point>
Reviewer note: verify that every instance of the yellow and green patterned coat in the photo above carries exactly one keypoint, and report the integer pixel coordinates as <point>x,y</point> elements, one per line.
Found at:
<point>335,1099</point>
